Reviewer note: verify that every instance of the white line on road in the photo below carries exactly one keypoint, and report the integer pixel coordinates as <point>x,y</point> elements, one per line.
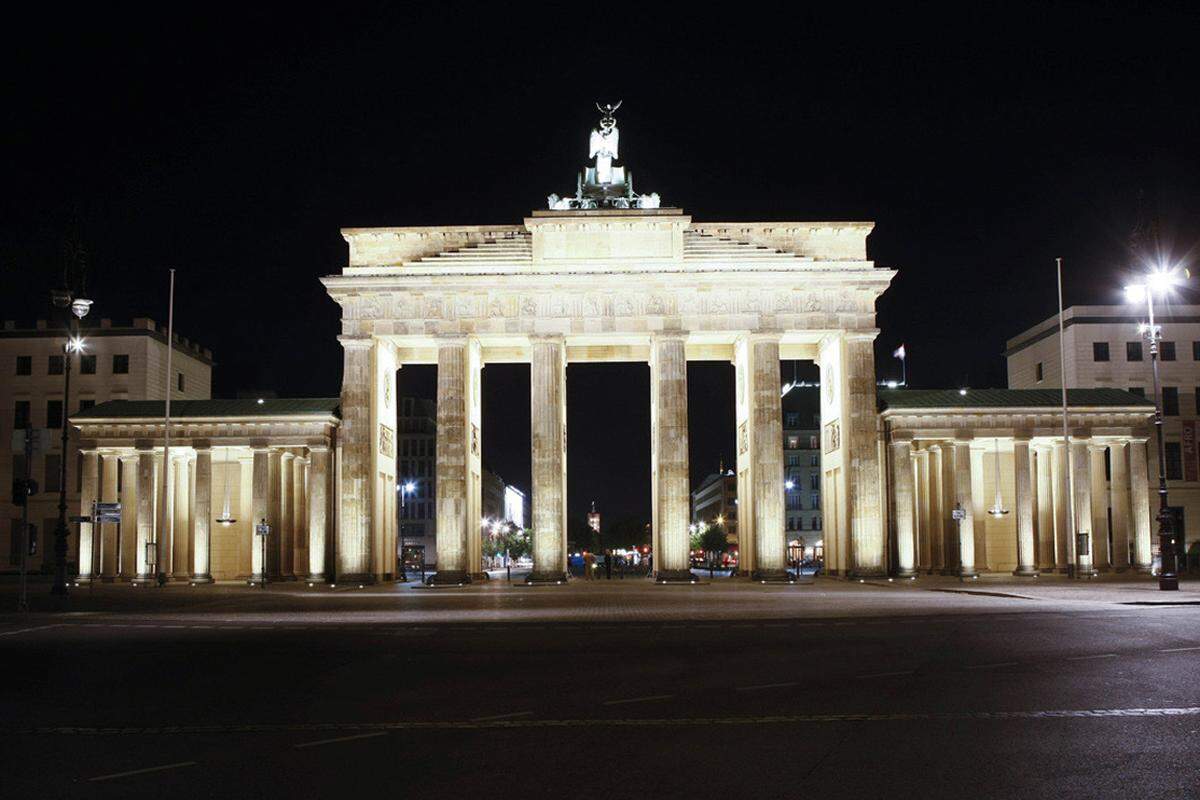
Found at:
<point>888,674</point>
<point>765,686</point>
<point>625,700</point>
<point>341,739</point>
<point>1179,649</point>
<point>1088,658</point>
<point>30,630</point>
<point>992,666</point>
<point>142,771</point>
<point>503,716</point>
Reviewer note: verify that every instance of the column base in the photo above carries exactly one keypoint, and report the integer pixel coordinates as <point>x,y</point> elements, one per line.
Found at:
<point>362,578</point>
<point>1025,572</point>
<point>907,573</point>
<point>202,579</point>
<point>143,580</point>
<point>967,572</point>
<point>316,577</point>
<point>678,576</point>
<point>546,578</point>
<point>450,577</point>
<point>1144,569</point>
<point>772,576</point>
<point>874,572</point>
<point>82,580</point>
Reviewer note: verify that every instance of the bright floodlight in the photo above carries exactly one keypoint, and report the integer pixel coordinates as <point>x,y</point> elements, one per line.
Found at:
<point>962,392</point>
<point>789,485</point>
<point>1135,293</point>
<point>1161,280</point>
<point>75,344</point>
<point>410,487</point>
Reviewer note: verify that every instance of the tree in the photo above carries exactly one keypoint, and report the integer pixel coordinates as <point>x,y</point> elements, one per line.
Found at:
<point>713,542</point>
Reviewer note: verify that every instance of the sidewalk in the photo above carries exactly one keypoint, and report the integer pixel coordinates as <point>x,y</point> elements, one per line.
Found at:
<point>1121,588</point>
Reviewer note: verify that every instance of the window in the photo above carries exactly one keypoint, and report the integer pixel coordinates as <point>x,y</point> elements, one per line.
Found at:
<point>21,415</point>
<point>179,381</point>
<point>791,524</point>
<point>1195,351</point>
<point>120,364</point>
<point>1140,391</point>
<point>814,481</point>
<point>1166,351</point>
<point>793,460</point>
<point>793,500</point>
<point>1099,351</point>
<point>1170,401</point>
<point>1037,372</point>
<point>816,500</point>
<point>55,365</point>
<point>24,365</point>
<point>1174,454</point>
<point>54,413</point>
<point>793,442</point>
<point>791,420</point>
<point>816,460</point>
<point>812,443</point>
<point>816,523</point>
<point>53,467</point>
<point>1133,351</point>
<point>87,365</point>
<point>800,523</point>
<point>84,405</point>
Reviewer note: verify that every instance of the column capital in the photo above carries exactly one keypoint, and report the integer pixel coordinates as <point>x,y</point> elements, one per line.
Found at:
<point>356,342</point>
<point>769,335</point>
<point>1095,446</point>
<point>318,448</point>
<point>202,444</point>
<point>452,340</point>
<point>898,439</point>
<point>670,336</point>
<point>547,338</point>
<point>1022,435</point>
<point>287,454</point>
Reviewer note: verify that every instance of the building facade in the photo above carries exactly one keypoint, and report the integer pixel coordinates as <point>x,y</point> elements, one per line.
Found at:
<point>1104,349</point>
<point>117,363</point>
<point>714,502</point>
<point>802,466</point>
<point>233,464</point>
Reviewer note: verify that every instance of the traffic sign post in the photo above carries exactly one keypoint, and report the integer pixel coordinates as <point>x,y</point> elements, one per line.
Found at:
<point>262,530</point>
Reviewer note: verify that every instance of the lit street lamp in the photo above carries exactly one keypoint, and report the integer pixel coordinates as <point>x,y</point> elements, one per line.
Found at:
<point>79,307</point>
<point>406,488</point>
<point>1159,281</point>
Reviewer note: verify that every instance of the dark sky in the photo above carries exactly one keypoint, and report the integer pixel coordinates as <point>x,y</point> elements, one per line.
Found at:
<point>233,144</point>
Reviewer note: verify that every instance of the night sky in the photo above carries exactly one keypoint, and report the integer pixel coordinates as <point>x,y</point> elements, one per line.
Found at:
<point>233,144</point>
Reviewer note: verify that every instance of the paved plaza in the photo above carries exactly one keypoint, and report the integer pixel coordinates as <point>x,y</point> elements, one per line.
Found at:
<point>995,688</point>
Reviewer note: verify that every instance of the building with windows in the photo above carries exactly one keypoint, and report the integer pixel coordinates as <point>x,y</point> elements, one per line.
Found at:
<point>117,363</point>
<point>714,502</point>
<point>802,463</point>
<point>1104,349</point>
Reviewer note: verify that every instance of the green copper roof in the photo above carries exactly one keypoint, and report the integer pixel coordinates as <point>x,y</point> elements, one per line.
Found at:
<point>1008,398</point>
<point>205,409</point>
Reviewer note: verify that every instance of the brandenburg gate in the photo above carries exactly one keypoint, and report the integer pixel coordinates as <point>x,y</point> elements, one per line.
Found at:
<point>610,275</point>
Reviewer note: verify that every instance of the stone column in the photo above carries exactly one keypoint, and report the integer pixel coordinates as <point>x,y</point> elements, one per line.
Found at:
<point>451,471</point>
<point>1026,557</point>
<point>766,448</point>
<point>965,502</point>
<point>951,555</point>
<point>1139,491</point>
<point>979,503</point>
<point>924,518</point>
<point>287,533</point>
<point>145,513</point>
<point>248,543</point>
<point>299,526</point>
<point>548,434</point>
<point>936,512</point>
<point>668,374</point>
<point>260,512</point>
<point>202,517</point>
<point>902,506</point>
<point>1045,508</point>
<point>1081,478</point>
<point>861,415</point>
<point>318,480</point>
<point>181,557</point>
<point>357,481</point>
<point>128,549</point>
<point>87,530</point>
<point>1119,457</point>
<point>1100,559</point>
<point>110,464</point>
<point>1062,518</point>
<point>274,512</point>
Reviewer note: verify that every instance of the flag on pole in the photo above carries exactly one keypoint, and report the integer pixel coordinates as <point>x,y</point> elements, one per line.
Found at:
<point>899,353</point>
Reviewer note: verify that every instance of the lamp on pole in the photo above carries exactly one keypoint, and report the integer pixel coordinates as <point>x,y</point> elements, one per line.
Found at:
<point>63,299</point>
<point>405,489</point>
<point>1160,280</point>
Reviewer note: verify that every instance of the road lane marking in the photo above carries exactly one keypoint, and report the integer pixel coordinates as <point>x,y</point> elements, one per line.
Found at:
<point>992,666</point>
<point>765,686</point>
<point>645,699</point>
<point>601,722</point>
<point>503,716</point>
<point>1088,658</point>
<point>340,739</point>
<point>31,630</point>
<point>1179,649</point>
<point>141,771</point>
<point>888,674</point>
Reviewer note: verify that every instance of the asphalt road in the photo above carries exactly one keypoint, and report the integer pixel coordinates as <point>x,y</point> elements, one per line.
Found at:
<point>617,690</point>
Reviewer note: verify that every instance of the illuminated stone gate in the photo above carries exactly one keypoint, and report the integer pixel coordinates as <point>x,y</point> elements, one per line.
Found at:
<point>609,275</point>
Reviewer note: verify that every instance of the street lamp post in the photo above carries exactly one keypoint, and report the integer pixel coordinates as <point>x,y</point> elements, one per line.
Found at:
<point>405,488</point>
<point>79,307</point>
<point>1168,573</point>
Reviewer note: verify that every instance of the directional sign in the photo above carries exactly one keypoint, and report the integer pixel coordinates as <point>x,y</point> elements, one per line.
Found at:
<point>108,512</point>
<point>262,529</point>
<point>959,513</point>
